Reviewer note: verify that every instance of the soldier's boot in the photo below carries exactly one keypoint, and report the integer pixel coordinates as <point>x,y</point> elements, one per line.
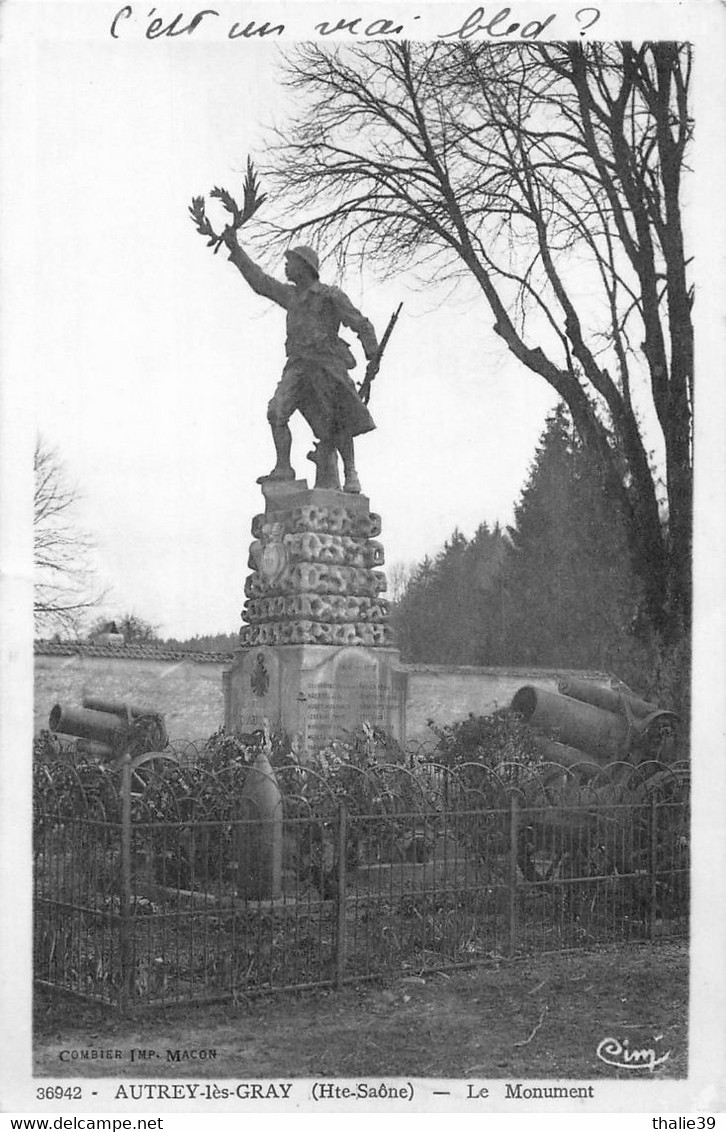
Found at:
<point>351,483</point>
<point>323,455</point>
<point>283,469</point>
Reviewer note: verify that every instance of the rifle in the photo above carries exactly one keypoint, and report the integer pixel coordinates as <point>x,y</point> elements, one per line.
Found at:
<point>364,389</point>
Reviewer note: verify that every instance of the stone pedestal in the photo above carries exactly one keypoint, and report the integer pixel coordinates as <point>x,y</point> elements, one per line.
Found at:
<point>315,692</point>
<point>316,657</point>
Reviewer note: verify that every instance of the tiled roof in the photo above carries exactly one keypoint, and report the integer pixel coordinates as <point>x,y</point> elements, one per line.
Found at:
<point>522,672</point>
<point>134,651</point>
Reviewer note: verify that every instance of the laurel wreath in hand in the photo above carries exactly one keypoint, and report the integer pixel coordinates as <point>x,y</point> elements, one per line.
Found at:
<point>251,201</point>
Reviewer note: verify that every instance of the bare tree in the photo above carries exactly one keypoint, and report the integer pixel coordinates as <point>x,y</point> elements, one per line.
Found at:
<point>399,575</point>
<point>62,552</point>
<point>551,175</point>
<point>134,629</point>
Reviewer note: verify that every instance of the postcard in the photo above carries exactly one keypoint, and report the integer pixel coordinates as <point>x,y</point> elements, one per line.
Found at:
<point>362,560</point>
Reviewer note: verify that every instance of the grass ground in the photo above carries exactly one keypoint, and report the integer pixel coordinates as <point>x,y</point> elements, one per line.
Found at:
<point>540,1017</point>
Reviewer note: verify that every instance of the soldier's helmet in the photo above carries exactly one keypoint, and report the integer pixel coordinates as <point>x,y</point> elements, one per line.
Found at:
<point>308,255</point>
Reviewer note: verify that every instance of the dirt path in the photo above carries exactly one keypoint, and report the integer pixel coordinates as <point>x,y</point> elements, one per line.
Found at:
<point>540,1017</point>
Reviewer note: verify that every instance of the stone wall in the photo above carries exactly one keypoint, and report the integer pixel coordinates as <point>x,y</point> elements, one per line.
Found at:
<point>185,687</point>
<point>188,687</point>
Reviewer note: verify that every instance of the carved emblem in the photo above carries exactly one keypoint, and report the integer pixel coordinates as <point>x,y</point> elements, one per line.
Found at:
<point>260,678</point>
<point>273,558</point>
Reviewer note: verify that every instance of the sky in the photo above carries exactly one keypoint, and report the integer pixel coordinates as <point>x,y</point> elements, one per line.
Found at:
<point>153,362</point>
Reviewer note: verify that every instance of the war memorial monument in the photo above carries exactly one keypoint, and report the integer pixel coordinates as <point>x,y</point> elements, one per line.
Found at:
<point>316,654</point>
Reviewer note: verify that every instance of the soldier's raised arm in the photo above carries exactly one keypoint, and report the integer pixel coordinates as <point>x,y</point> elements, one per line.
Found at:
<point>258,280</point>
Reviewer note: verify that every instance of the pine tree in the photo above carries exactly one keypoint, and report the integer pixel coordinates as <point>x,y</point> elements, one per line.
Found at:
<point>448,613</point>
<point>571,597</point>
<point>557,590</point>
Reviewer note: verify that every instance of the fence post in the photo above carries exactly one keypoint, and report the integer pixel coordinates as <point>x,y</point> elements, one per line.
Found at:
<point>342,895</point>
<point>125,948</point>
<point>513,846</point>
<point>653,870</point>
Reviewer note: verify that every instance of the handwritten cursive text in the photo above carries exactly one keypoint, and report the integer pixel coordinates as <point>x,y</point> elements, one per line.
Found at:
<point>498,26</point>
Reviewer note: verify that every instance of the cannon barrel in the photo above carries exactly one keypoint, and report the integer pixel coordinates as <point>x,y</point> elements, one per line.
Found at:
<point>111,727</point>
<point>600,733</point>
<point>555,752</point>
<point>93,749</point>
<point>84,723</point>
<point>610,699</point>
<point>114,707</point>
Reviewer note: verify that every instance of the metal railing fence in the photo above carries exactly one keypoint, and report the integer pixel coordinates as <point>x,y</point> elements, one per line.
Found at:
<point>139,871</point>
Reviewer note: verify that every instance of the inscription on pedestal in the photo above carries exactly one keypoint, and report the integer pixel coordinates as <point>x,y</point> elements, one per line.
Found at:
<point>350,690</point>
<point>316,692</point>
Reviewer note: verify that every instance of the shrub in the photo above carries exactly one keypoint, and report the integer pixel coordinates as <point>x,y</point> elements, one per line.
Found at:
<point>491,740</point>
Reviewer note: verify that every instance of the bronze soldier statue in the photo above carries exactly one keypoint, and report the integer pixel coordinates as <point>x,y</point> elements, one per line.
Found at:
<point>315,379</point>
